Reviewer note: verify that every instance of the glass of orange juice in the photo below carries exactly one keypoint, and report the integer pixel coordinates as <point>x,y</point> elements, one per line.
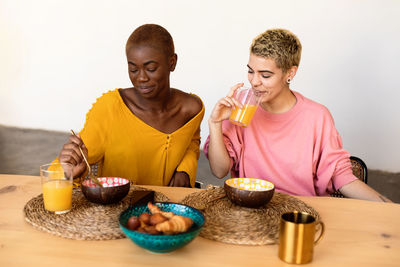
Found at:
<point>243,116</point>
<point>57,187</point>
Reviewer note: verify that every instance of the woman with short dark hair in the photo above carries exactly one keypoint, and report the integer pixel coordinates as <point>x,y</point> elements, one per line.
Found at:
<point>149,133</point>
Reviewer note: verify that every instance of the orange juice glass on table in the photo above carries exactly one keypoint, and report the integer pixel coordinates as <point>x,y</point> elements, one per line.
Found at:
<point>242,116</point>
<point>57,187</point>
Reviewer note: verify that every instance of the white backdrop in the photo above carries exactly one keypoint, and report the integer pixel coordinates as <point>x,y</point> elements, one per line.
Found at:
<point>57,57</point>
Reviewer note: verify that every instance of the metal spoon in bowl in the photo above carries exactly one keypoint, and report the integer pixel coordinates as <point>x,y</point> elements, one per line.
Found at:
<point>90,173</point>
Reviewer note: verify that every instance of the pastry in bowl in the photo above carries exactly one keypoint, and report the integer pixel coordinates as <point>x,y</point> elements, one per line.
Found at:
<point>249,192</point>
<point>161,227</point>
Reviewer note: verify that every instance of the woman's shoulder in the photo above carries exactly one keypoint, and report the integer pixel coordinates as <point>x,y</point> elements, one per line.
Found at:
<point>105,103</point>
<point>110,95</point>
<point>107,99</point>
<point>312,106</point>
<point>190,104</point>
<point>315,114</point>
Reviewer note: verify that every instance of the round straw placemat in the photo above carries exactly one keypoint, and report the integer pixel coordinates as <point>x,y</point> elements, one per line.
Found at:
<point>85,220</point>
<point>233,224</point>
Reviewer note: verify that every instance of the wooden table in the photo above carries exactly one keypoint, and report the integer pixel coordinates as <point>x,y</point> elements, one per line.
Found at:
<point>358,233</point>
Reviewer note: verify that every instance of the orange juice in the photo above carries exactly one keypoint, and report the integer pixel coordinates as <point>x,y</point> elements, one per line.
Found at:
<point>243,116</point>
<point>57,195</point>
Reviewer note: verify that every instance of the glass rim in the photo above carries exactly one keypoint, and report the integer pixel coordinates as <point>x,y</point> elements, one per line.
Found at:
<point>54,163</point>
<point>67,169</point>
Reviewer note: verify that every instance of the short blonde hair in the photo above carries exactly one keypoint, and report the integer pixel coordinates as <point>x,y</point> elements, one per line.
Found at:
<point>280,45</point>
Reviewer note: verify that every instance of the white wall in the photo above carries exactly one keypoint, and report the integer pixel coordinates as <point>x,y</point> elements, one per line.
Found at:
<point>57,57</point>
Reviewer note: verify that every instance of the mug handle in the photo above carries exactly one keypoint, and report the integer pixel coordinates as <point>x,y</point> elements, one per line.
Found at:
<point>321,232</point>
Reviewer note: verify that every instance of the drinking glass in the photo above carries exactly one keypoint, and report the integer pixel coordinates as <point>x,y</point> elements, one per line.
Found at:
<point>57,187</point>
<point>243,116</point>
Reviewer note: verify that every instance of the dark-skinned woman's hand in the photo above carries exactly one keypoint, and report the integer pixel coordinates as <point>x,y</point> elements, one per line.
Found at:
<point>180,179</point>
<point>70,153</point>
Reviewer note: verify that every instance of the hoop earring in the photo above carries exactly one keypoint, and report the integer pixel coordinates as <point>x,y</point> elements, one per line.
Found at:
<point>288,81</point>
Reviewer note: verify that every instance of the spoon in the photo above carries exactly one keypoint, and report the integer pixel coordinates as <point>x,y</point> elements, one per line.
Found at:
<point>90,173</point>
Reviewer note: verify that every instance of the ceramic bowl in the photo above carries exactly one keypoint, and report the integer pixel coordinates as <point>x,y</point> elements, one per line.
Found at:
<point>249,192</point>
<point>163,243</point>
<point>114,189</point>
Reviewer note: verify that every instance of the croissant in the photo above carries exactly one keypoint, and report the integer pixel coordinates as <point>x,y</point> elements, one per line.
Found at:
<point>177,224</point>
<point>154,209</point>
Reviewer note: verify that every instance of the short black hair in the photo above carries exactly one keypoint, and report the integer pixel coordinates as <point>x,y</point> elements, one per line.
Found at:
<point>153,35</point>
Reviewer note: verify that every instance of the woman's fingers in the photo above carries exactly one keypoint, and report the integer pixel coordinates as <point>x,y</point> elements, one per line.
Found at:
<point>237,103</point>
<point>70,153</point>
<point>76,140</point>
<point>83,147</point>
<point>67,156</point>
<point>231,102</point>
<point>224,106</point>
<point>222,109</point>
<point>227,101</point>
<point>234,88</point>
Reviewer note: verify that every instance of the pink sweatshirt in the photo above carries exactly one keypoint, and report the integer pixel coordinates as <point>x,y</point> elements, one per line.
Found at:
<point>300,151</point>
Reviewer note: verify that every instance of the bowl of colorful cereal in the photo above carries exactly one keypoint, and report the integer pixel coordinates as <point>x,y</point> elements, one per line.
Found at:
<point>114,190</point>
<point>249,192</point>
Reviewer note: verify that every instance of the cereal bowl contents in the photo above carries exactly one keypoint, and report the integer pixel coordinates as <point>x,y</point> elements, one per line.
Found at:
<point>161,227</point>
<point>114,189</point>
<point>249,192</point>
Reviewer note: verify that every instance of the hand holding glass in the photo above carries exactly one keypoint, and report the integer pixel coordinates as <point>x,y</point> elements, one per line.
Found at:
<point>57,187</point>
<point>242,116</point>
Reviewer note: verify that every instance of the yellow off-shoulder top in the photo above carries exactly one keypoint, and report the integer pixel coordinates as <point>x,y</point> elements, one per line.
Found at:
<point>127,147</point>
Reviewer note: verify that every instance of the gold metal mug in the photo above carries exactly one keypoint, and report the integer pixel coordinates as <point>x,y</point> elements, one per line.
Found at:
<point>297,237</point>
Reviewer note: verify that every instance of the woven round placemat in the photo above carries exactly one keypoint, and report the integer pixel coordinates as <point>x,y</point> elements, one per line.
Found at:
<point>233,224</point>
<point>86,220</point>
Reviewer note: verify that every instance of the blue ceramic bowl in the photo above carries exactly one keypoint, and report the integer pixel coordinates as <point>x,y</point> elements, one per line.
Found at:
<point>163,243</point>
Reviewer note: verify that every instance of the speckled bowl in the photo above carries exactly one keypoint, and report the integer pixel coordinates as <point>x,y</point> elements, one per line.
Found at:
<point>249,192</point>
<point>163,243</point>
<point>114,189</point>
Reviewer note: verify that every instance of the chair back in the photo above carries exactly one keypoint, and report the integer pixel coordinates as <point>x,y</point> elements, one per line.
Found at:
<point>359,170</point>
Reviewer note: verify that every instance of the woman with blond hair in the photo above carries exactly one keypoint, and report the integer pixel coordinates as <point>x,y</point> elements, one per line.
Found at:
<point>291,141</point>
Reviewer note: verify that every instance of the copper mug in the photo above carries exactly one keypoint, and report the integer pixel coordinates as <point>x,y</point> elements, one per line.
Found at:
<point>297,237</point>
